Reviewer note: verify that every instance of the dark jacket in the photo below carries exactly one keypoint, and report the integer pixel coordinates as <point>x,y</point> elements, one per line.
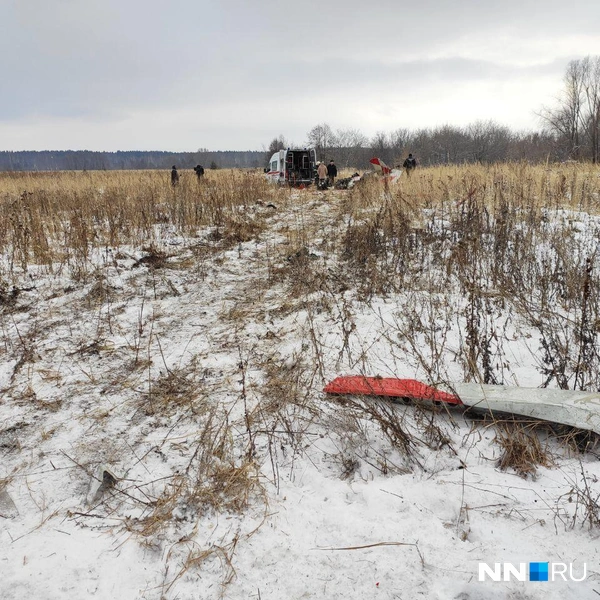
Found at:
<point>331,170</point>
<point>410,163</point>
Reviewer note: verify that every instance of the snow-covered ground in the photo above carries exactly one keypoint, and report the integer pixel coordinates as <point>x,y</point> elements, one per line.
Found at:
<point>163,434</point>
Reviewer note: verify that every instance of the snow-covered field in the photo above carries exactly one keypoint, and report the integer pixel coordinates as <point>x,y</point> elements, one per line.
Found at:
<point>163,434</point>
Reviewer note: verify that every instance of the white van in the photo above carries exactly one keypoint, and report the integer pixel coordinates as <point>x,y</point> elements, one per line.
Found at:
<point>294,166</point>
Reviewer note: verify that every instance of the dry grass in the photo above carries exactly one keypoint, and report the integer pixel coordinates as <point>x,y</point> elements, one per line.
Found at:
<point>521,447</point>
<point>499,246</point>
<point>61,219</point>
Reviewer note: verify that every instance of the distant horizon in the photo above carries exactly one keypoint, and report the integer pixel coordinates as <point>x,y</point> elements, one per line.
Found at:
<point>291,144</point>
<point>203,151</point>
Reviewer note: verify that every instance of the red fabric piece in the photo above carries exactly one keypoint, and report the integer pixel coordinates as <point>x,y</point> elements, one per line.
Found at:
<point>388,386</point>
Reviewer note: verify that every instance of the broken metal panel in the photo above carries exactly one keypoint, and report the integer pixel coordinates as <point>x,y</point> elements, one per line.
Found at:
<point>567,407</point>
<point>8,508</point>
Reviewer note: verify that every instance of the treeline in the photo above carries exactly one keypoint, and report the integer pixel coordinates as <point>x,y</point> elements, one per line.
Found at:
<point>82,160</point>
<point>480,142</point>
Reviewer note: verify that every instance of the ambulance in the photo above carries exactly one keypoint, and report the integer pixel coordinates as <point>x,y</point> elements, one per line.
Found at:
<point>293,166</point>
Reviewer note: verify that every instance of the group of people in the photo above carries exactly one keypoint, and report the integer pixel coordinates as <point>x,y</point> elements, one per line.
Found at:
<point>326,174</point>
<point>198,169</point>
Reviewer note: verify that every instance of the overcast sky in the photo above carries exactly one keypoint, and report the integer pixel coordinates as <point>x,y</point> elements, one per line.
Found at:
<point>234,74</point>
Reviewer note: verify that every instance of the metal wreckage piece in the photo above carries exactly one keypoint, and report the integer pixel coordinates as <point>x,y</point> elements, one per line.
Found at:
<point>572,408</point>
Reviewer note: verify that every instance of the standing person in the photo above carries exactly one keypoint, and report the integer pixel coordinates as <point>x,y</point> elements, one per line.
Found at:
<point>199,170</point>
<point>409,164</point>
<point>322,174</point>
<point>174,176</point>
<point>331,172</point>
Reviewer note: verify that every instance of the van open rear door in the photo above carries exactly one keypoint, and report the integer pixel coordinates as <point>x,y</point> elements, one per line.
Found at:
<point>295,167</point>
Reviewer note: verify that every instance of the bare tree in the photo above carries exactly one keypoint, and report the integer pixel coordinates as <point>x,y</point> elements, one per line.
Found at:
<point>276,144</point>
<point>399,140</point>
<point>449,144</point>
<point>576,117</point>
<point>591,117</point>
<point>381,146</point>
<point>489,141</point>
<point>534,146</point>
<point>321,137</point>
<point>423,146</point>
<point>350,138</point>
<point>350,145</point>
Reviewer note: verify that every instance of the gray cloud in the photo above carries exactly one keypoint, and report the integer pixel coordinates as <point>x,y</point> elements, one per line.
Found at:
<point>106,61</point>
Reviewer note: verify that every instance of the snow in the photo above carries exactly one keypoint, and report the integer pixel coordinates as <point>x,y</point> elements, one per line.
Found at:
<point>197,386</point>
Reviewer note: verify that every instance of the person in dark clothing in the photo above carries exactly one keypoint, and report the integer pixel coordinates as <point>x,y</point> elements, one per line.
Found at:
<point>174,176</point>
<point>409,164</point>
<point>331,172</point>
<point>199,170</point>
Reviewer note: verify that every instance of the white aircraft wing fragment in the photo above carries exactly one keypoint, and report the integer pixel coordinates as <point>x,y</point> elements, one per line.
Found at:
<point>567,407</point>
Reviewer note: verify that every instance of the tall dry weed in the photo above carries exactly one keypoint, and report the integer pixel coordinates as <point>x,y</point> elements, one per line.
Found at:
<point>62,219</point>
<point>508,246</point>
